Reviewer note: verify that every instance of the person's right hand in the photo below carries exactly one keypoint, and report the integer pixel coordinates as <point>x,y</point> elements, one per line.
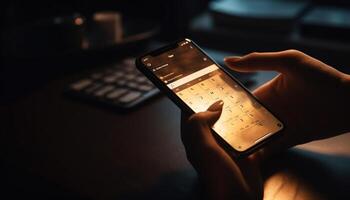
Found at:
<point>310,97</point>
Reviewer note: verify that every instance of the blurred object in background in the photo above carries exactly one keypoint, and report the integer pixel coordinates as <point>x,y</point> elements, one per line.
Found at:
<point>62,35</point>
<point>261,16</point>
<point>120,87</point>
<point>111,28</point>
<point>245,26</point>
<point>327,22</point>
<point>44,40</point>
<point>46,25</point>
<point>45,37</point>
<point>108,27</point>
<point>172,15</point>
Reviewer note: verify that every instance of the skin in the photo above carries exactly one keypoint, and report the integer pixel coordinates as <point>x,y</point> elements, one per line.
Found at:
<point>218,170</point>
<point>310,97</point>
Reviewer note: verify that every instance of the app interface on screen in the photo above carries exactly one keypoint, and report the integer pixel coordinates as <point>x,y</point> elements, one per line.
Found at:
<point>199,82</point>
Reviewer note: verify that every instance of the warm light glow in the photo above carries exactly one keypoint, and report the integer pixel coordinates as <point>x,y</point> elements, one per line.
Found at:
<point>79,21</point>
<point>243,122</point>
<point>288,184</point>
<point>199,82</point>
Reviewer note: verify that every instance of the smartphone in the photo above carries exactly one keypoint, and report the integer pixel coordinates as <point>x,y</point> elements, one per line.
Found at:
<point>194,81</point>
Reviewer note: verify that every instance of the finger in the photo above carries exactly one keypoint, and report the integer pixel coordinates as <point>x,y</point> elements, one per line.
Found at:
<point>271,61</point>
<point>215,112</point>
<point>209,117</point>
<point>197,126</point>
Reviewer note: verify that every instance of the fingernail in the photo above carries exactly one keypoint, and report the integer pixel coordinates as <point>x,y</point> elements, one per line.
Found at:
<point>217,106</point>
<point>232,58</point>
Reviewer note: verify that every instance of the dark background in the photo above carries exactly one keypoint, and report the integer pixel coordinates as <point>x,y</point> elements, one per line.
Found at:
<point>175,18</point>
<point>54,147</point>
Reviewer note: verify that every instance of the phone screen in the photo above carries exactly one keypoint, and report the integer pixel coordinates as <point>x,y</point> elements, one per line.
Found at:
<point>199,82</point>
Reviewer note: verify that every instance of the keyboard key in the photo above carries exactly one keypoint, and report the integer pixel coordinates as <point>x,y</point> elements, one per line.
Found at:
<point>116,93</point>
<point>145,87</point>
<point>93,87</point>
<point>118,74</point>
<point>129,68</point>
<point>129,64</point>
<point>132,85</point>
<point>141,79</point>
<point>129,97</point>
<point>148,82</point>
<point>103,90</point>
<point>129,61</point>
<point>121,82</point>
<point>81,84</point>
<point>110,79</point>
<point>130,76</point>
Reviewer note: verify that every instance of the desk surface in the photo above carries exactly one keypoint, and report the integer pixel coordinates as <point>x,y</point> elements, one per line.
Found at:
<point>94,153</point>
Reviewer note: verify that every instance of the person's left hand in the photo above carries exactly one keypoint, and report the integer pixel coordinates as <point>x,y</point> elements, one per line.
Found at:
<point>223,176</point>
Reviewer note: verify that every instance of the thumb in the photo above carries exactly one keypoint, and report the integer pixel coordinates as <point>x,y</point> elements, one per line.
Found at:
<point>213,113</point>
<point>271,61</point>
<point>197,127</point>
<point>207,118</point>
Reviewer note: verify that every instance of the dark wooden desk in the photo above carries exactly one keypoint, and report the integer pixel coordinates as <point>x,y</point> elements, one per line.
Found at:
<point>93,153</point>
<point>99,153</point>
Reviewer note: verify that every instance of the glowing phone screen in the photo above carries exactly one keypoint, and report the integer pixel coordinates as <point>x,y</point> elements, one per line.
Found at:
<point>199,82</point>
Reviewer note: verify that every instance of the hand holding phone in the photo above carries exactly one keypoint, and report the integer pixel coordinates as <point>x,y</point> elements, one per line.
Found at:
<point>194,82</point>
<point>222,176</point>
<point>310,95</point>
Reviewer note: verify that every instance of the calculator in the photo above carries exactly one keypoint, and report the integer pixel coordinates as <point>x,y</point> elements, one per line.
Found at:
<point>194,82</point>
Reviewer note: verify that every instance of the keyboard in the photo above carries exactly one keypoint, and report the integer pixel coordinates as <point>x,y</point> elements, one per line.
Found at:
<point>121,86</point>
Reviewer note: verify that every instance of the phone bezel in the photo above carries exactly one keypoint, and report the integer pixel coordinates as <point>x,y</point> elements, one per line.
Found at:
<point>183,106</point>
